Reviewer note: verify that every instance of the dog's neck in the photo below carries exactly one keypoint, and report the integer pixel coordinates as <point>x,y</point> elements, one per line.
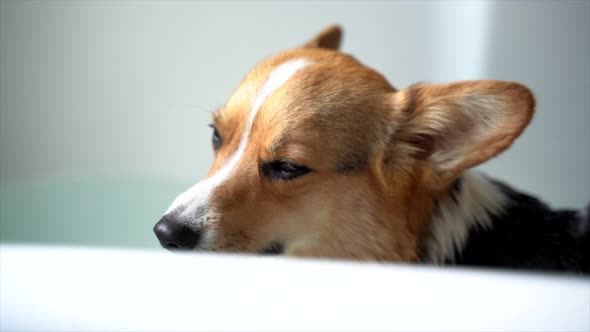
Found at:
<point>472,203</point>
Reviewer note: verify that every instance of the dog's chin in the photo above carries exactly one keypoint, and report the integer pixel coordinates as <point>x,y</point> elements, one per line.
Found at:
<point>275,248</point>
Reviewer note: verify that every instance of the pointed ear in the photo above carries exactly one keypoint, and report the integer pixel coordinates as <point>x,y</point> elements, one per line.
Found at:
<point>329,38</point>
<point>459,125</point>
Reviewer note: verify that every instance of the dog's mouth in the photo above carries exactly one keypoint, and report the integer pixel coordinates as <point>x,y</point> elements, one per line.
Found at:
<point>275,248</point>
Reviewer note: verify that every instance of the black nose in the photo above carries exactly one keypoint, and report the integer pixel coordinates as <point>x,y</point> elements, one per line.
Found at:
<point>174,235</point>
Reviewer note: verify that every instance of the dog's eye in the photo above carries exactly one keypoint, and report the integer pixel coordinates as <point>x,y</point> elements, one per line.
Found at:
<point>283,170</point>
<point>216,139</point>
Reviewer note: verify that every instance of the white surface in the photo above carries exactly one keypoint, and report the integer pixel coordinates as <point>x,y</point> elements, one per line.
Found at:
<point>60,289</point>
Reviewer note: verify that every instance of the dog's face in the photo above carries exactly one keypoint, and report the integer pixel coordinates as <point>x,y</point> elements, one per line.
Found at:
<point>318,155</point>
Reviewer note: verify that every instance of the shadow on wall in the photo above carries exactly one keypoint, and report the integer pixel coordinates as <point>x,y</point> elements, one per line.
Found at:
<point>99,212</point>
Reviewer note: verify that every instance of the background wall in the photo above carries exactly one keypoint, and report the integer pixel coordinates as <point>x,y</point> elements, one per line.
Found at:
<point>104,106</point>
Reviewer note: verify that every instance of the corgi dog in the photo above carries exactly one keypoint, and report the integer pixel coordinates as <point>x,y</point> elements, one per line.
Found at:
<point>317,155</point>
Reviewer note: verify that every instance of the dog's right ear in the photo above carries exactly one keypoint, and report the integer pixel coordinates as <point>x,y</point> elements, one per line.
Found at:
<point>329,38</point>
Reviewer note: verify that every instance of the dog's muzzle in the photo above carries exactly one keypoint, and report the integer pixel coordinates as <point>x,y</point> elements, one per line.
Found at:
<point>174,235</point>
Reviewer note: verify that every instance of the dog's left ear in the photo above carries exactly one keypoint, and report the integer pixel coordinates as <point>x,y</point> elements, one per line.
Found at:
<point>456,126</point>
<point>329,38</point>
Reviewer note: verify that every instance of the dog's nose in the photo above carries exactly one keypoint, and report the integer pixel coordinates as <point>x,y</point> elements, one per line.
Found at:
<point>174,235</point>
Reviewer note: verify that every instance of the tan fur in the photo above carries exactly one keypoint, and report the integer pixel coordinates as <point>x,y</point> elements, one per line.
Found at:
<point>329,38</point>
<point>408,146</point>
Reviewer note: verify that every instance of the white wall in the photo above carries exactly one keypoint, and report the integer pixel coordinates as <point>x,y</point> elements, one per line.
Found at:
<point>547,47</point>
<point>102,89</point>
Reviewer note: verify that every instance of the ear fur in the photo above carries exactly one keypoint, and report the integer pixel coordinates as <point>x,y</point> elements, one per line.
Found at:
<point>459,125</point>
<point>329,38</point>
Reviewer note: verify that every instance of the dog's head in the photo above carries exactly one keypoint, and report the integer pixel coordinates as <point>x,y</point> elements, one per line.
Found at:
<point>318,155</point>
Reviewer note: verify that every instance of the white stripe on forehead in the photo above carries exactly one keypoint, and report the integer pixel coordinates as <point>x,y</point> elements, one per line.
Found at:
<point>198,194</point>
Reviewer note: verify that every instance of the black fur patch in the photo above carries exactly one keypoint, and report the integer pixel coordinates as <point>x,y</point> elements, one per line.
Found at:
<point>274,248</point>
<point>529,235</point>
<point>455,190</point>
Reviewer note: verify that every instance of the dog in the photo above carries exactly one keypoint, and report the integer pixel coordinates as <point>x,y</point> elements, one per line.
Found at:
<point>317,155</point>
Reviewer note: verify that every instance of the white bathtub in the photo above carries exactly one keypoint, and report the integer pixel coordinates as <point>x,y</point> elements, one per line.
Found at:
<point>67,288</point>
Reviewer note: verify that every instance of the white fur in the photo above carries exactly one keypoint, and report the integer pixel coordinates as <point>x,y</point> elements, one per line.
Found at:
<point>477,200</point>
<point>197,197</point>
